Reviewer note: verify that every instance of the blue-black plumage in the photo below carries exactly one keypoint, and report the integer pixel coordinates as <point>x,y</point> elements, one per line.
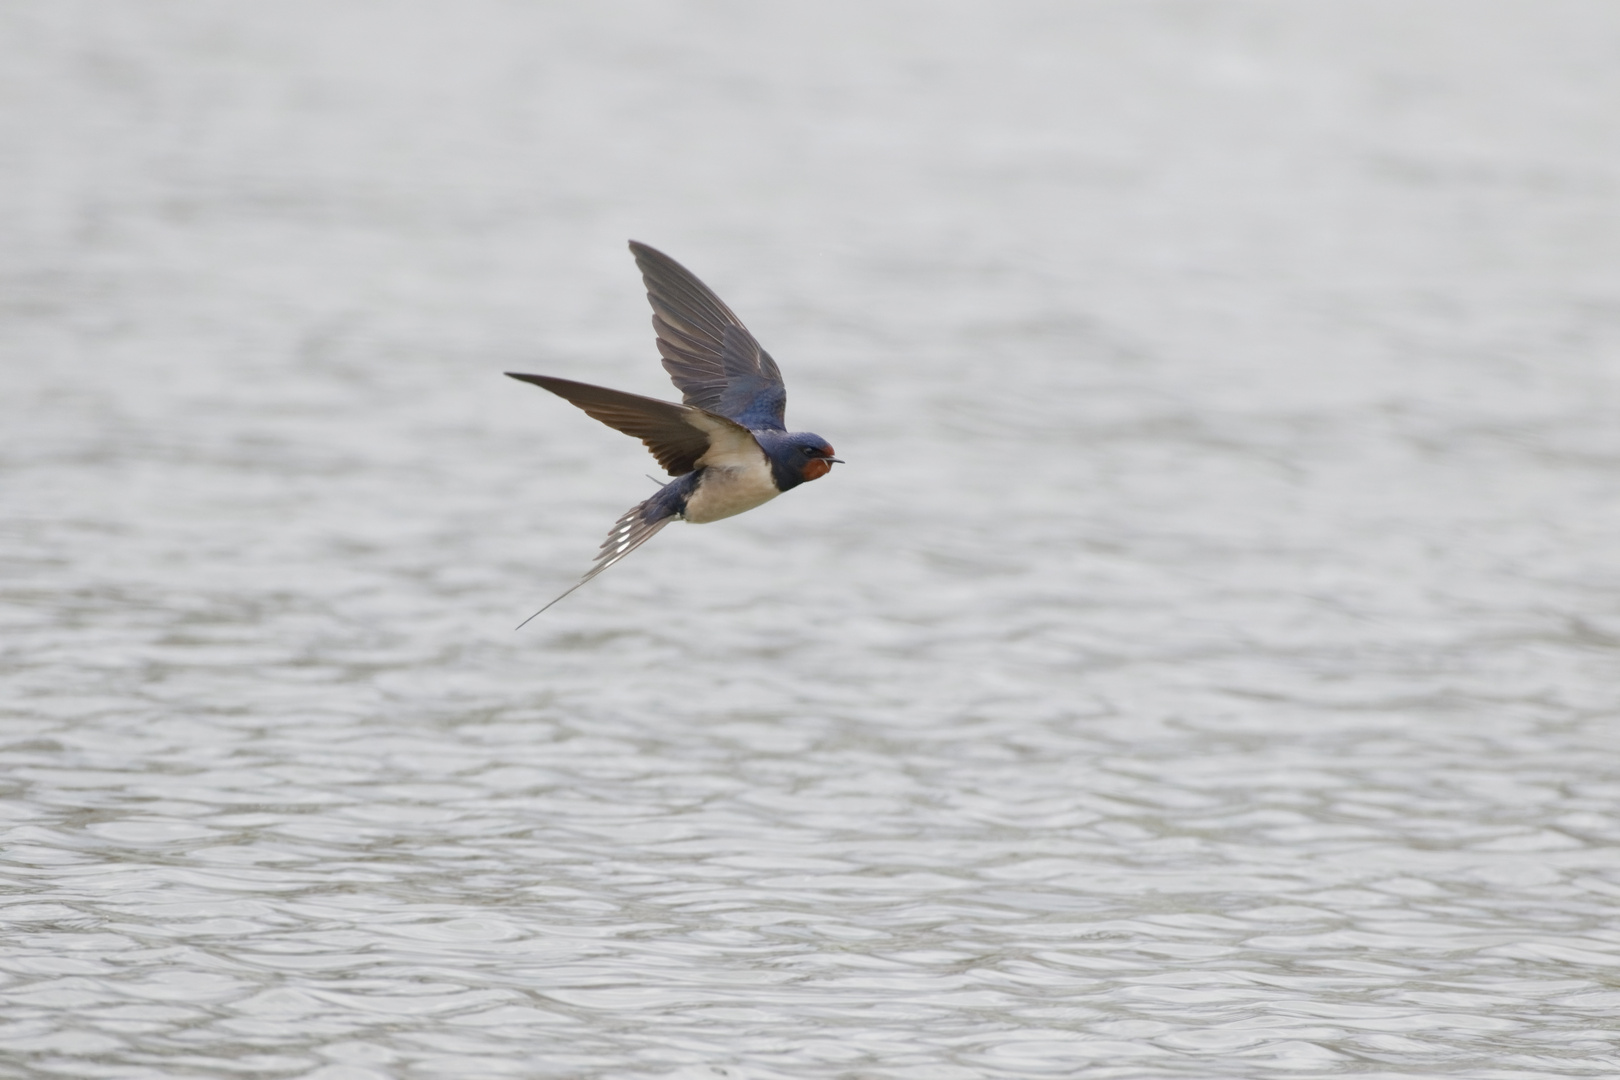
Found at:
<point>727,444</point>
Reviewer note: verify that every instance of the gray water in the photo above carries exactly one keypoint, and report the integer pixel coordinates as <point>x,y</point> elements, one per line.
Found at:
<point>1207,664</point>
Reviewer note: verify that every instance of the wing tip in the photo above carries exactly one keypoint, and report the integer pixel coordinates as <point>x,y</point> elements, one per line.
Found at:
<point>546,382</point>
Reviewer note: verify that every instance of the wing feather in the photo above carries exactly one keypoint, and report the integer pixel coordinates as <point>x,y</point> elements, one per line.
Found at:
<point>679,436</point>
<point>710,355</point>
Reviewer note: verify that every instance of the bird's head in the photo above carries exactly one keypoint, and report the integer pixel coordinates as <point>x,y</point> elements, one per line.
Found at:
<point>798,457</point>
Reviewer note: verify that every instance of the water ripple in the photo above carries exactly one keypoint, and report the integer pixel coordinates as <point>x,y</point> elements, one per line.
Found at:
<point>1204,667</point>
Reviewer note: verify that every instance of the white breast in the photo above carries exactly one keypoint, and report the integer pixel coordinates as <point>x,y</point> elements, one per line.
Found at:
<point>724,490</point>
<point>736,473</point>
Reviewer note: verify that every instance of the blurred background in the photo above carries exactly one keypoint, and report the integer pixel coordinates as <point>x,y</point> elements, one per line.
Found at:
<point>1205,665</point>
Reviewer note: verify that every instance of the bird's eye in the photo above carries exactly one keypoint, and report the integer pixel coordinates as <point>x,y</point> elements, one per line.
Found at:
<point>809,451</point>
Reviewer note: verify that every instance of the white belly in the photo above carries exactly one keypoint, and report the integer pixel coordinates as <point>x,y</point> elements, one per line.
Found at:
<point>724,490</point>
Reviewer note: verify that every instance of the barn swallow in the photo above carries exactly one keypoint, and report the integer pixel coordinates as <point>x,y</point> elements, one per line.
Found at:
<point>726,445</point>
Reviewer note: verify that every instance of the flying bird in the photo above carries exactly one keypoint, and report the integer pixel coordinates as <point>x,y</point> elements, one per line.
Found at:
<point>727,445</point>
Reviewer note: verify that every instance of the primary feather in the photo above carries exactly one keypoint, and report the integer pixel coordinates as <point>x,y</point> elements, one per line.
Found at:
<point>710,355</point>
<point>677,435</point>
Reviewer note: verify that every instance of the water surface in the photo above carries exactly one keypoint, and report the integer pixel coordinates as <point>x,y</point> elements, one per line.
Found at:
<point>1205,666</point>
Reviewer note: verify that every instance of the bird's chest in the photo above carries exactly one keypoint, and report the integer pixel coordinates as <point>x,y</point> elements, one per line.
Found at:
<point>724,490</point>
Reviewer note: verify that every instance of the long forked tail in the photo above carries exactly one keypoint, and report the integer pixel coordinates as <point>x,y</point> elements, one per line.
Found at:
<point>628,533</point>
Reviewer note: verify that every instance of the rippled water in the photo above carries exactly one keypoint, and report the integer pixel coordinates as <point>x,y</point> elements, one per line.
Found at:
<point>1206,665</point>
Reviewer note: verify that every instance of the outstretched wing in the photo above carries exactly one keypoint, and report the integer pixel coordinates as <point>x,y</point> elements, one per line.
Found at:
<point>681,437</point>
<point>710,355</point>
<point>628,533</point>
